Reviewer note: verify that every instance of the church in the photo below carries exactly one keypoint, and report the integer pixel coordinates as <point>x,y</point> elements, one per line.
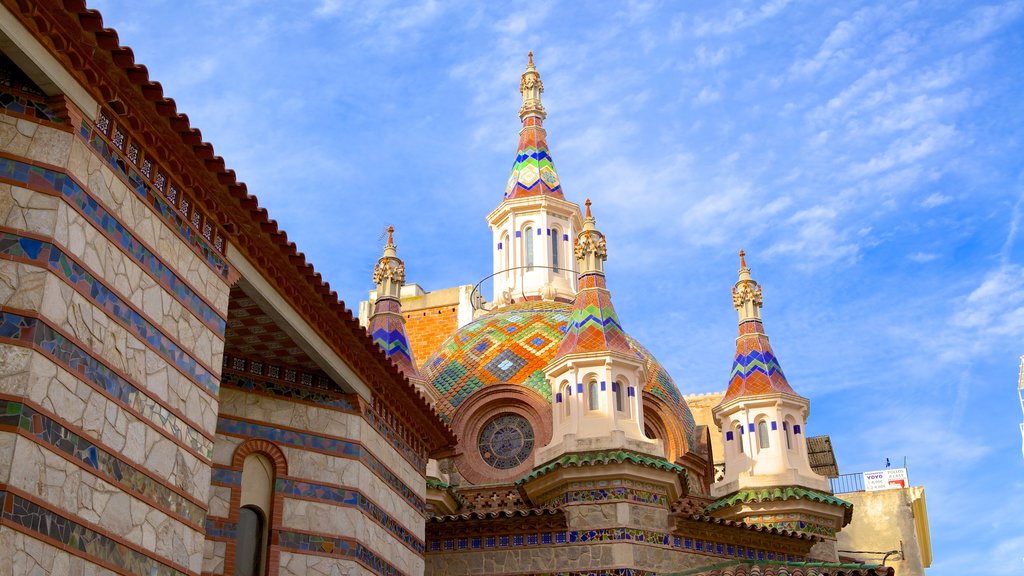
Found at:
<point>181,393</point>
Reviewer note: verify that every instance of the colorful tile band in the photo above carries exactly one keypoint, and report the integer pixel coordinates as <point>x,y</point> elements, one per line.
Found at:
<point>91,370</point>
<point>340,547</point>
<point>351,499</point>
<point>342,448</point>
<point>24,174</point>
<point>57,528</point>
<point>52,258</point>
<point>755,369</point>
<point>247,383</point>
<point>667,539</point>
<point>175,216</point>
<point>107,466</point>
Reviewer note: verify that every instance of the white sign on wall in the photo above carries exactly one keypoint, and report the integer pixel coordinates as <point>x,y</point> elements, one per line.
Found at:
<point>885,479</point>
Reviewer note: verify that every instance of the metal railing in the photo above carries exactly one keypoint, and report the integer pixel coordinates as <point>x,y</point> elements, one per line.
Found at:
<point>847,483</point>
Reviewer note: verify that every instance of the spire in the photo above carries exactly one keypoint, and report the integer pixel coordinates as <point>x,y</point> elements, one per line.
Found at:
<point>533,172</point>
<point>755,369</point>
<point>593,325</point>
<point>386,325</point>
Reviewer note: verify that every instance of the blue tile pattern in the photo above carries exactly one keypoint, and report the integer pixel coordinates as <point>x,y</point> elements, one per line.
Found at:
<point>51,257</point>
<point>23,174</point>
<point>89,369</point>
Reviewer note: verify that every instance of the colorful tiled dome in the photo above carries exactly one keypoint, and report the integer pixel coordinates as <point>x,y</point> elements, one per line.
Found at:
<point>513,345</point>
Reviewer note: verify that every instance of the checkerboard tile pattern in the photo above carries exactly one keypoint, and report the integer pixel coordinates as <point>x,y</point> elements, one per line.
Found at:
<point>514,345</point>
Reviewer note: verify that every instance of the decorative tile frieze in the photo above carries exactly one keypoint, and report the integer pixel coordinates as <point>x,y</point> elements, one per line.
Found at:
<point>28,107</point>
<point>161,201</point>
<point>281,375</point>
<point>567,537</point>
<point>339,547</point>
<point>33,176</point>
<point>270,382</point>
<point>416,457</point>
<point>48,525</point>
<point>77,361</point>
<point>353,499</point>
<point>49,256</point>
<point>334,446</point>
<point>107,466</point>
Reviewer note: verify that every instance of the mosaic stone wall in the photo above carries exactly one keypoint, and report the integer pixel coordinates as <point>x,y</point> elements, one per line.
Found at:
<point>349,494</point>
<point>112,314</point>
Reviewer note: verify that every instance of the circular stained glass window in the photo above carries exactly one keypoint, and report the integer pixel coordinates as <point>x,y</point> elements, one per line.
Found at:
<point>506,441</point>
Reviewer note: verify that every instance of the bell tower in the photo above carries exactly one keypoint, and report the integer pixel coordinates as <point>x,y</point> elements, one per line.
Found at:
<point>534,224</point>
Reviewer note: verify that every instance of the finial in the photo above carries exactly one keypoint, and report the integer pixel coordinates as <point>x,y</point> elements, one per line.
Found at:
<point>391,231</point>
<point>588,208</point>
<point>743,259</point>
<point>531,57</point>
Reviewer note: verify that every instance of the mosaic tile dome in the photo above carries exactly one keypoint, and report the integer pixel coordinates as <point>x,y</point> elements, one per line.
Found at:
<point>513,345</point>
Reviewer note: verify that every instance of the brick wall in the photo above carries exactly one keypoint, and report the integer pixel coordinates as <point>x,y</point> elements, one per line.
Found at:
<point>427,328</point>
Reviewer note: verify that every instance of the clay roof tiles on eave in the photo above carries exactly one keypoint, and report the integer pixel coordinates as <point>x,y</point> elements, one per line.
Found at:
<point>751,527</point>
<point>496,514</point>
<point>257,219</point>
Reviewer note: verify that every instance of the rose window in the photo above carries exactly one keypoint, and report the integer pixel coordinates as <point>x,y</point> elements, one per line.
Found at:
<point>506,441</point>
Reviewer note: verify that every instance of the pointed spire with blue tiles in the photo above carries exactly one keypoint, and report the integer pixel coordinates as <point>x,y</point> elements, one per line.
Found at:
<point>386,325</point>
<point>593,325</point>
<point>755,369</point>
<point>533,172</point>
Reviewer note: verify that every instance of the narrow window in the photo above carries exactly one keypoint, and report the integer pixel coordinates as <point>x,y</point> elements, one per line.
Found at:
<point>249,552</point>
<point>789,442</point>
<point>507,249</point>
<point>593,399</point>
<point>739,436</point>
<point>529,248</point>
<point>554,251</point>
<point>620,405</point>
<point>762,434</point>
<point>567,394</point>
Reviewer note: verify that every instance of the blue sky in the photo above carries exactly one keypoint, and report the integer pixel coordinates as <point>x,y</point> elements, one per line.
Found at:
<point>867,156</point>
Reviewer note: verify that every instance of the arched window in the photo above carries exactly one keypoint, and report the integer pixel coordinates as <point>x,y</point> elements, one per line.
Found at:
<point>739,436</point>
<point>593,399</point>
<point>620,393</point>
<point>528,241</point>
<point>789,440</point>
<point>762,434</point>
<point>554,249</point>
<point>253,531</point>
<point>249,552</point>
<point>566,399</point>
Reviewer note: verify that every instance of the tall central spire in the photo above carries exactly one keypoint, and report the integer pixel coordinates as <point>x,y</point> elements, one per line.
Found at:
<point>533,225</point>
<point>533,172</point>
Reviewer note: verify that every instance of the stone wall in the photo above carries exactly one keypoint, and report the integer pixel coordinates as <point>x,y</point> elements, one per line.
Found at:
<point>111,338</point>
<point>343,491</point>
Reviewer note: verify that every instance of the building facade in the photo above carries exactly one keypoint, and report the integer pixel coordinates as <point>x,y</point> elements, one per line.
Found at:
<point>181,393</point>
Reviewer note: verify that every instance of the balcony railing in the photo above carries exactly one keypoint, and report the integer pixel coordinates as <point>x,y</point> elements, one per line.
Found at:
<point>847,483</point>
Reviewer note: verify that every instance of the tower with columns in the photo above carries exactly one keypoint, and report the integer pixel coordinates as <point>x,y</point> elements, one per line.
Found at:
<point>533,225</point>
<point>595,374</point>
<point>768,478</point>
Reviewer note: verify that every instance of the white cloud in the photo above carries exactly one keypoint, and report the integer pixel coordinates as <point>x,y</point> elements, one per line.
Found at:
<point>738,19</point>
<point>833,48</point>
<point>923,257</point>
<point>935,200</point>
<point>996,307</point>
<point>985,20</point>
<point>907,150</point>
<point>707,95</point>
